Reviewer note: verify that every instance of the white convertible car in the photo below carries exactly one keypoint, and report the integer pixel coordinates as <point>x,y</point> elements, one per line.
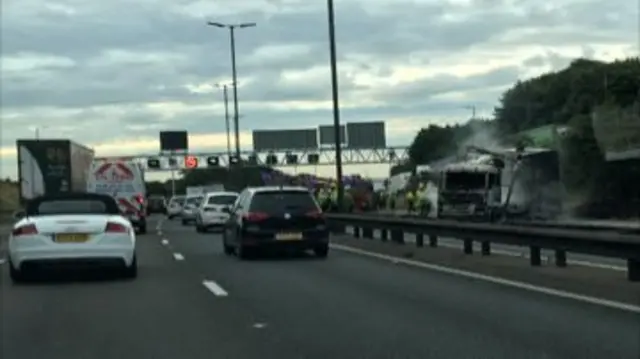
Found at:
<point>72,230</point>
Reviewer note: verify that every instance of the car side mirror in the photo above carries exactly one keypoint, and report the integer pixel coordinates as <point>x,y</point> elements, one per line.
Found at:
<point>18,215</point>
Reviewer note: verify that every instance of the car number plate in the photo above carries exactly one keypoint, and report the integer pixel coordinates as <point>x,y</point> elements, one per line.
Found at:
<point>71,237</point>
<point>289,236</point>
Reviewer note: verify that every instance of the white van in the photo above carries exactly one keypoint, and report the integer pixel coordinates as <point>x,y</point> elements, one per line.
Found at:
<point>124,181</point>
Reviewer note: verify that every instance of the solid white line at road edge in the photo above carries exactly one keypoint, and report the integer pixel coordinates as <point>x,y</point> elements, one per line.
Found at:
<point>496,280</point>
<point>214,288</point>
<point>178,256</point>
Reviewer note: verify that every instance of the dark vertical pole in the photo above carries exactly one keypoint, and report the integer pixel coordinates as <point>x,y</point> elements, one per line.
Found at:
<point>236,114</point>
<point>225,92</point>
<point>336,103</point>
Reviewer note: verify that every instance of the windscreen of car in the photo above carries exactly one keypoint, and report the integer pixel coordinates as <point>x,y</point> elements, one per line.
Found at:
<point>225,200</point>
<point>194,201</point>
<point>76,206</point>
<point>282,201</point>
<point>178,200</point>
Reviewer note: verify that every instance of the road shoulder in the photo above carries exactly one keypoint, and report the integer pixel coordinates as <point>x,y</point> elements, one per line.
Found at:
<point>593,282</point>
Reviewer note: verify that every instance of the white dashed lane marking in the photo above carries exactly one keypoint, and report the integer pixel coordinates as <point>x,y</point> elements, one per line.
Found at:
<point>165,242</point>
<point>178,256</point>
<point>214,288</point>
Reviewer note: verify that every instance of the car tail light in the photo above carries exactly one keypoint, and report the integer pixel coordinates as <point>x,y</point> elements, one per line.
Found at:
<point>314,214</point>
<point>140,199</point>
<point>255,216</point>
<point>113,227</point>
<point>26,230</point>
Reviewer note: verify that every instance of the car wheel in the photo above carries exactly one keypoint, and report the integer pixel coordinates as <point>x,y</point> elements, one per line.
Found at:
<point>17,276</point>
<point>142,229</point>
<point>322,251</point>
<point>199,228</point>
<point>131,271</point>
<point>185,222</point>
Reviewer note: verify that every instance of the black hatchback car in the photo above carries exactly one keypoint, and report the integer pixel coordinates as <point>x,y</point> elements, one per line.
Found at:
<point>275,218</point>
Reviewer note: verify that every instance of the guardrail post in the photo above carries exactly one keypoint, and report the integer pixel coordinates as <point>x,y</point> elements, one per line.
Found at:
<point>384,235</point>
<point>561,258</point>
<point>356,232</point>
<point>433,241</point>
<point>419,240</point>
<point>367,233</point>
<point>485,248</point>
<point>468,246</point>
<point>397,236</point>
<point>633,270</point>
<point>534,257</point>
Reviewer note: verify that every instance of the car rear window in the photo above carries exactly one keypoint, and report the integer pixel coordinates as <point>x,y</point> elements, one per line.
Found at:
<point>282,201</point>
<point>193,200</point>
<point>178,200</point>
<point>225,200</point>
<point>75,206</point>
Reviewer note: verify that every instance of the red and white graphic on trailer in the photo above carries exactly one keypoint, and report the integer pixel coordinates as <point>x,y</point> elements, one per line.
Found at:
<point>124,180</point>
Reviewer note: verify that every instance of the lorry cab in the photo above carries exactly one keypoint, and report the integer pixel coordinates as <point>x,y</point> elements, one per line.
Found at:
<point>469,190</point>
<point>124,181</point>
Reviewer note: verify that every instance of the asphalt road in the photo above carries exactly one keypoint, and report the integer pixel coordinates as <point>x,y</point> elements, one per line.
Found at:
<point>191,301</point>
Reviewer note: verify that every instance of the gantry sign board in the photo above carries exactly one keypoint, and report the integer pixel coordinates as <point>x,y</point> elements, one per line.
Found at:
<point>174,141</point>
<point>273,140</point>
<point>327,135</point>
<point>358,135</point>
<point>361,135</point>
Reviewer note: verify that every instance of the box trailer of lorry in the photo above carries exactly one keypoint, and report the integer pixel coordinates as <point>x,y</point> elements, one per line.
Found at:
<point>52,166</point>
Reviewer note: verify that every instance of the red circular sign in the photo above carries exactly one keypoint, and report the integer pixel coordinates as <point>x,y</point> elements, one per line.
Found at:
<point>190,162</point>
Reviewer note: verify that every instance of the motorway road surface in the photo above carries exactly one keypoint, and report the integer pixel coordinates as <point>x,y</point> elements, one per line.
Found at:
<point>191,301</point>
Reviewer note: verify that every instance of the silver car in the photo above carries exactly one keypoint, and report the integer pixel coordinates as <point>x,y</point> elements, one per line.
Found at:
<point>190,209</point>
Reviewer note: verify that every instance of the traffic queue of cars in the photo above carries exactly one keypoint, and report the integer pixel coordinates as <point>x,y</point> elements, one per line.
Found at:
<point>90,230</point>
<point>258,219</point>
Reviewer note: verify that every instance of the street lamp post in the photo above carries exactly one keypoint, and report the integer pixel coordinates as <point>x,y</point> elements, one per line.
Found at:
<point>336,103</point>
<point>232,30</point>
<point>225,96</point>
<point>473,111</point>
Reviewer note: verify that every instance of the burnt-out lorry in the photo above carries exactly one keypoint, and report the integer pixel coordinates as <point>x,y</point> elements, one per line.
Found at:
<point>52,166</point>
<point>505,184</point>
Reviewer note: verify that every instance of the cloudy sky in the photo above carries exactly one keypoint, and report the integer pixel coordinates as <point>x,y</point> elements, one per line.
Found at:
<point>111,74</point>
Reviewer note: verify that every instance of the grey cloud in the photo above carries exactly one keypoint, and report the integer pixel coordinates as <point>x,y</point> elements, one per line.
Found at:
<point>94,126</point>
<point>395,33</point>
<point>422,90</point>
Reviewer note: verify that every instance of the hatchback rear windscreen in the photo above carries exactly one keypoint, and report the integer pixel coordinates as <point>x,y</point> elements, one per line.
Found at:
<point>282,201</point>
<point>194,201</point>
<point>225,200</point>
<point>178,200</point>
<point>75,206</point>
